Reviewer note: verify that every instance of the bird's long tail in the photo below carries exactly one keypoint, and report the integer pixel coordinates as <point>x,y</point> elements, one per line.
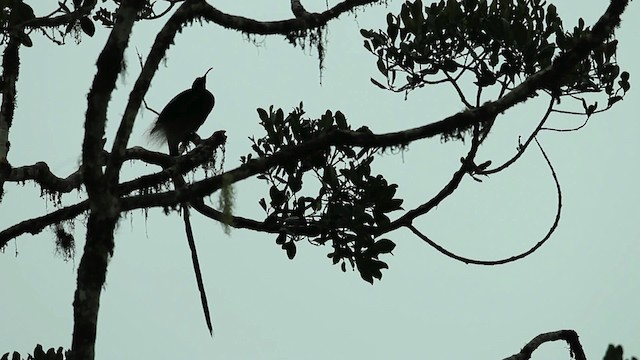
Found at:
<point>196,267</point>
<point>180,183</point>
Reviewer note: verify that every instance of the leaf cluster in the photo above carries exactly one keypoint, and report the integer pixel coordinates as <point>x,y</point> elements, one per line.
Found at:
<point>343,204</point>
<point>497,42</point>
<point>39,354</point>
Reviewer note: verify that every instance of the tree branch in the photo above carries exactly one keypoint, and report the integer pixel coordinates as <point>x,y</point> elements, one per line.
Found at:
<point>109,65</point>
<point>298,10</point>
<point>42,175</point>
<point>36,225</point>
<point>522,148</point>
<point>303,21</point>
<point>236,221</point>
<point>181,165</point>
<point>104,205</point>
<point>447,190</point>
<point>10,71</point>
<point>65,19</point>
<point>570,336</point>
<point>465,260</point>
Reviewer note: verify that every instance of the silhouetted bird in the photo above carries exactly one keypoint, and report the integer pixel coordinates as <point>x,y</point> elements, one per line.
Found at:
<point>184,114</point>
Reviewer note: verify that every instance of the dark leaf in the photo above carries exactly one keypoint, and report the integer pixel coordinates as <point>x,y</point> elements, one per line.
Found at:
<point>625,86</point>
<point>392,27</point>
<point>376,83</point>
<point>295,183</point>
<point>394,204</point>
<point>614,99</point>
<point>279,120</point>
<point>282,237</point>
<point>486,78</point>
<point>384,246</point>
<point>87,26</point>
<point>624,81</point>
<point>367,45</point>
<point>381,219</point>
<point>552,14</point>
<point>341,121</point>
<point>592,108</point>
<point>329,177</point>
<point>263,204</point>
<point>366,275</point>
<point>382,67</point>
<point>449,66</point>
<point>545,55</point>
<point>262,113</point>
<point>38,352</point>
<point>277,197</point>
<point>290,247</point>
<point>624,76</point>
<point>366,33</point>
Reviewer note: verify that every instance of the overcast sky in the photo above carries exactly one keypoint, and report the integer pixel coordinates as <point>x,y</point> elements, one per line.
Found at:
<point>265,306</point>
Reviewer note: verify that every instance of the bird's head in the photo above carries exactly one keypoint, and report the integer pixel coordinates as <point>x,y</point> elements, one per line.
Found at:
<point>201,82</point>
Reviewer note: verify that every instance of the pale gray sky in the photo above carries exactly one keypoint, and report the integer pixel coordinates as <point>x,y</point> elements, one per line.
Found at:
<point>268,307</point>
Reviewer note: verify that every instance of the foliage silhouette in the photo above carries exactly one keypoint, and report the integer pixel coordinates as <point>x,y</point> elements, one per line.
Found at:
<point>322,186</point>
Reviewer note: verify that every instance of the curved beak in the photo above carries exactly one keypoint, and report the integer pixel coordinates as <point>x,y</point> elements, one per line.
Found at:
<point>205,74</point>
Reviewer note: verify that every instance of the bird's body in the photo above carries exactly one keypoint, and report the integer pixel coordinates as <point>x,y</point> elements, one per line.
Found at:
<point>184,114</point>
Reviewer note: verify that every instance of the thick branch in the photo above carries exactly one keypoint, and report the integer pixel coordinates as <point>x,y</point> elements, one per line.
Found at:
<point>109,65</point>
<point>103,201</point>
<point>10,69</point>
